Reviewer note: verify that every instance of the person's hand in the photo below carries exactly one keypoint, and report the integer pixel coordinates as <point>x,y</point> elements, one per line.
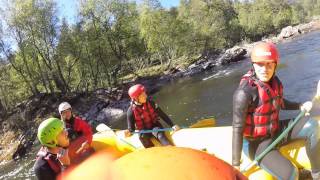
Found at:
<point>85,145</point>
<point>307,106</point>
<point>176,128</point>
<point>63,157</point>
<point>127,133</point>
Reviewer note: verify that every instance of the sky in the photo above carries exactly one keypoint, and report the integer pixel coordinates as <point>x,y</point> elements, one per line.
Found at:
<point>68,8</point>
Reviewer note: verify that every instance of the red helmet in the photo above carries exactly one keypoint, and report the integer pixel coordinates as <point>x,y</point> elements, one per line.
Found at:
<point>136,90</point>
<point>265,52</point>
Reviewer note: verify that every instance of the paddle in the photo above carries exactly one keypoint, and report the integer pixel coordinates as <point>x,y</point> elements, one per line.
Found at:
<point>208,122</point>
<point>282,135</point>
<point>104,128</point>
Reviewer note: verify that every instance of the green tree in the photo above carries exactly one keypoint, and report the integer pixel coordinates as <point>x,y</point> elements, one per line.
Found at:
<point>163,32</point>
<point>212,24</point>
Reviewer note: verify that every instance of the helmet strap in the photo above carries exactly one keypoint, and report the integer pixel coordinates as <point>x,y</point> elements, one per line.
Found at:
<point>135,102</point>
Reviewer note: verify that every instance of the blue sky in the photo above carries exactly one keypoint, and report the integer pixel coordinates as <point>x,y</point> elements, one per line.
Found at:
<point>68,8</point>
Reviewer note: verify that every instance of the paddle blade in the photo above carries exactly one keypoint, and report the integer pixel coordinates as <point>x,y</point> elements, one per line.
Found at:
<point>209,122</point>
<point>318,91</point>
<point>102,127</point>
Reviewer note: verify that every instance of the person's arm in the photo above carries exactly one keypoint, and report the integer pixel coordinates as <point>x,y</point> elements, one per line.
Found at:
<point>162,114</point>
<point>286,104</point>
<point>241,101</point>
<point>290,105</point>
<point>85,128</point>
<point>130,120</point>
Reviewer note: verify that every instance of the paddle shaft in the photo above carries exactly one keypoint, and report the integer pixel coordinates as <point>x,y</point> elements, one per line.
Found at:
<point>210,121</point>
<point>154,130</point>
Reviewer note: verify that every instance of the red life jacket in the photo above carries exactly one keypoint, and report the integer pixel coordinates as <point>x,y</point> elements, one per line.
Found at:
<point>70,126</point>
<point>263,120</point>
<point>144,115</point>
<point>52,160</point>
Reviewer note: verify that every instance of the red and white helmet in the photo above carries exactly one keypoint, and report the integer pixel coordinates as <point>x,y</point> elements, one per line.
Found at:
<point>135,91</point>
<point>265,52</point>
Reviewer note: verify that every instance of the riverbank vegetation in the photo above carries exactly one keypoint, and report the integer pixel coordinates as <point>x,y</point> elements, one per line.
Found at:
<point>112,41</point>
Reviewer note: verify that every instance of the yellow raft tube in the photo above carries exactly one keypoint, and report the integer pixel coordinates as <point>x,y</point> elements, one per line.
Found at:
<point>214,140</point>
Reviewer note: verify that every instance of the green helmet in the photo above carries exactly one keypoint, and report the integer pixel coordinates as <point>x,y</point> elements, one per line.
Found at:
<point>49,130</point>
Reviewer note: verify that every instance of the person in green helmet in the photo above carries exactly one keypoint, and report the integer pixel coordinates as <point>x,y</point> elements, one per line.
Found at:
<point>52,158</point>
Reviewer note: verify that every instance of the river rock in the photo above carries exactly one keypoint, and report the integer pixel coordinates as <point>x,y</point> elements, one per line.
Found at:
<point>234,54</point>
<point>25,141</point>
<point>288,32</point>
<point>95,109</point>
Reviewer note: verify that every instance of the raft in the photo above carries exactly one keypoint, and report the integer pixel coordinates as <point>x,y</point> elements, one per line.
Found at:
<point>216,141</point>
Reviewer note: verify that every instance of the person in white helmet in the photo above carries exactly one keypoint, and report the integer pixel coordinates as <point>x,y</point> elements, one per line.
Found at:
<point>79,133</point>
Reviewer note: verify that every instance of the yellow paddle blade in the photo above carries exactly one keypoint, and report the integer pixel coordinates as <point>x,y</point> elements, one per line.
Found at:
<point>317,97</point>
<point>208,122</point>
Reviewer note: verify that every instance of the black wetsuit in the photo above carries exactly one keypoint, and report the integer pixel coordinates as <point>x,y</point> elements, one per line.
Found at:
<point>245,97</point>
<point>43,170</point>
<point>145,137</point>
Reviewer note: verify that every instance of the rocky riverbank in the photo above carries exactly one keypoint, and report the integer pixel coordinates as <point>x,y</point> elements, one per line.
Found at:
<point>107,105</point>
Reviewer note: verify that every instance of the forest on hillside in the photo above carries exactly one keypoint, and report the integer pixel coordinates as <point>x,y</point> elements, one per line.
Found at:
<point>113,41</point>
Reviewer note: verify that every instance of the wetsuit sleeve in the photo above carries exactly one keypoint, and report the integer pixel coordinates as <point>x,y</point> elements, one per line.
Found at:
<point>289,105</point>
<point>43,171</point>
<point>241,101</point>
<point>162,114</point>
<point>85,128</point>
<point>130,120</point>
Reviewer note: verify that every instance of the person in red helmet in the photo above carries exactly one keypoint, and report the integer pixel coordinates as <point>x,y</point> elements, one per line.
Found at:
<point>256,106</point>
<point>144,114</point>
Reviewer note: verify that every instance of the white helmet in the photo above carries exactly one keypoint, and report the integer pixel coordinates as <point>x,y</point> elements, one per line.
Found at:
<point>64,106</point>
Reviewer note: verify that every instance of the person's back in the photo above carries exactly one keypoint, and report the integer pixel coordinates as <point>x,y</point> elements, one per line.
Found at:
<point>47,166</point>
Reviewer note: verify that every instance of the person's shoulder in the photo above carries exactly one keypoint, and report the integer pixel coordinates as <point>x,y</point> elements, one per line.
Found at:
<point>129,110</point>
<point>247,85</point>
<point>276,78</point>
<point>78,118</point>
<point>42,170</point>
<point>153,103</point>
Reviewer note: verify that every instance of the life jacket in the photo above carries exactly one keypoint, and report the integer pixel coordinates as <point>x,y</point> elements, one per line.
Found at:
<point>263,120</point>
<point>51,159</point>
<point>144,115</point>
<point>72,133</point>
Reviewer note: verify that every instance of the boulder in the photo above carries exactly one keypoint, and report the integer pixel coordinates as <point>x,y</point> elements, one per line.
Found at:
<point>110,114</point>
<point>232,55</point>
<point>95,109</point>
<point>289,31</point>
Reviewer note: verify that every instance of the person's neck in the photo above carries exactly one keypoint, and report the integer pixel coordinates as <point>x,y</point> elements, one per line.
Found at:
<point>53,150</point>
<point>67,120</point>
<point>137,103</point>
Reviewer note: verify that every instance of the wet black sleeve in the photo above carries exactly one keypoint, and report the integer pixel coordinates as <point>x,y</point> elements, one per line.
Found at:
<point>241,99</point>
<point>290,105</point>
<point>130,120</point>
<point>162,114</point>
<point>43,171</point>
